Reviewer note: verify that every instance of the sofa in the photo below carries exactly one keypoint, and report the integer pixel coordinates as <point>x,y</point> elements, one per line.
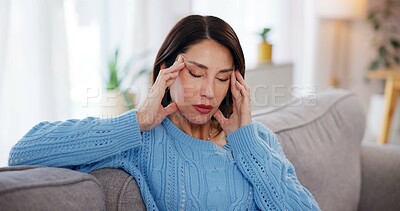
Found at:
<point>321,135</point>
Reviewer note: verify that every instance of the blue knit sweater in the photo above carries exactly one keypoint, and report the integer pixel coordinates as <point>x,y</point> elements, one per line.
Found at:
<point>173,170</point>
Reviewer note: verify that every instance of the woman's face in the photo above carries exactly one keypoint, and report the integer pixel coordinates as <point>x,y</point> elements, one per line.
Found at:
<point>204,82</point>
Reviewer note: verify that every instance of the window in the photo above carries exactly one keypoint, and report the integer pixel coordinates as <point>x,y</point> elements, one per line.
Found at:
<point>95,29</point>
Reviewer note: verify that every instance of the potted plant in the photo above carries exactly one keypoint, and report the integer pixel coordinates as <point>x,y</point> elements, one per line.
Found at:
<point>384,22</point>
<point>264,48</point>
<point>116,99</point>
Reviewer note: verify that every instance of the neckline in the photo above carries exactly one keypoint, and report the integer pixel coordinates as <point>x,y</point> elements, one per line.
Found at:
<point>184,138</point>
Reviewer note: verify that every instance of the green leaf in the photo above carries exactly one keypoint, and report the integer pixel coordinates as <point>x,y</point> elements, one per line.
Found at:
<point>113,78</point>
<point>113,81</point>
<point>371,15</point>
<point>117,73</point>
<point>264,33</point>
<point>397,59</point>
<point>374,65</point>
<point>116,56</point>
<point>395,43</point>
<point>375,25</point>
<point>387,13</point>
<point>143,71</point>
<point>382,52</point>
<point>128,100</point>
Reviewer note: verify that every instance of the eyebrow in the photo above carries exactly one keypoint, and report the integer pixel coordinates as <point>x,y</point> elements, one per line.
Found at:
<point>204,67</point>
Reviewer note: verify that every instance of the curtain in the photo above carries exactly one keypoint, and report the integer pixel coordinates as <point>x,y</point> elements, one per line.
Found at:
<point>154,19</point>
<point>46,60</point>
<point>4,14</point>
<point>34,83</point>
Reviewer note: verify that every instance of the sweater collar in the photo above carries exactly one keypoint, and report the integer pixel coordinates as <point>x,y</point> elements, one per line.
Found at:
<point>182,137</point>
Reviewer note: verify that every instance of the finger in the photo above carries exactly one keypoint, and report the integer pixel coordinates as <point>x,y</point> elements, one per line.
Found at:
<point>240,78</point>
<point>177,66</point>
<point>171,108</point>
<point>234,90</point>
<point>179,58</point>
<point>242,81</point>
<point>165,78</point>
<point>233,79</point>
<point>178,61</point>
<point>167,74</point>
<point>219,116</point>
<point>171,78</point>
<point>243,91</point>
<point>156,92</point>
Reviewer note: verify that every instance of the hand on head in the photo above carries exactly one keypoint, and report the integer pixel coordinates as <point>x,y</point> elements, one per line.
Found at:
<point>241,115</point>
<point>152,113</point>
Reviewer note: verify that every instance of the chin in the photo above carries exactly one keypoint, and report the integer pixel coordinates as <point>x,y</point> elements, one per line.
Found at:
<point>198,119</point>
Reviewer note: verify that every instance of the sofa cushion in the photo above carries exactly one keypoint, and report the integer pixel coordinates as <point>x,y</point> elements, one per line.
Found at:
<point>380,186</point>
<point>43,188</point>
<point>120,189</point>
<point>322,136</point>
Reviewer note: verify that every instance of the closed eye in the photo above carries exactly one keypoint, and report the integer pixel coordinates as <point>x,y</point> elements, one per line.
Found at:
<point>191,73</point>
<point>223,80</point>
<point>198,76</point>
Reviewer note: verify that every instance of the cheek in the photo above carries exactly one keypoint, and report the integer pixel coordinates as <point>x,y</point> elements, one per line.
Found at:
<point>183,89</point>
<point>176,89</point>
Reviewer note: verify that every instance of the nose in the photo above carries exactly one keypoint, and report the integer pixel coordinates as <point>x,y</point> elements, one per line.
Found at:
<point>207,89</point>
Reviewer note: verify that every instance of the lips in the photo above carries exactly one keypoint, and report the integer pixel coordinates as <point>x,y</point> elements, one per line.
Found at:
<point>204,109</point>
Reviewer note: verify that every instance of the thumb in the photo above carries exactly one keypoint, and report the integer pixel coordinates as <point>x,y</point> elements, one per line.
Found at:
<point>171,108</point>
<point>219,117</point>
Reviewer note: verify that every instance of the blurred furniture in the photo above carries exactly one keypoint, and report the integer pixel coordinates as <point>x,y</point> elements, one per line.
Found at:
<point>270,85</point>
<point>392,88</point>
<point>321,137</point>
<point>340,13</point>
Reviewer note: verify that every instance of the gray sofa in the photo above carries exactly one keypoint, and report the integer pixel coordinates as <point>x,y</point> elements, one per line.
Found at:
<point>321,136</point>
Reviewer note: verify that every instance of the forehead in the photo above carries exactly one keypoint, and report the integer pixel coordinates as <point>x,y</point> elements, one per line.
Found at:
<point>210,53</point>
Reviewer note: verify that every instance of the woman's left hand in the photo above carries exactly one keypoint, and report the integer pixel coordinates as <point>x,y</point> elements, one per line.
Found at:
<point>241,115</point>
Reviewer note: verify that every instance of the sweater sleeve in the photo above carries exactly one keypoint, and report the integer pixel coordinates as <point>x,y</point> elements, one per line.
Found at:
<point>76,142</point>
<point>260,158</point>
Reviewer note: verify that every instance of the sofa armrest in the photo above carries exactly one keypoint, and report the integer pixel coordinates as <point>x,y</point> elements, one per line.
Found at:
<point>43,188</point>
<point>380,186</point>
<point>120,189</point>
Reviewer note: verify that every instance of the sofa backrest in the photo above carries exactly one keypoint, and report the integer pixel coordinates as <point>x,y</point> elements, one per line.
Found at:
<point>321,136</point>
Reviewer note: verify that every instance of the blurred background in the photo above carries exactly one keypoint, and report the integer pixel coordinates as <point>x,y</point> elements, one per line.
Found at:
<point>62,59</point>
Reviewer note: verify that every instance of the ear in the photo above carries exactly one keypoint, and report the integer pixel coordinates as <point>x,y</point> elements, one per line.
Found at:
<point>163,66</point>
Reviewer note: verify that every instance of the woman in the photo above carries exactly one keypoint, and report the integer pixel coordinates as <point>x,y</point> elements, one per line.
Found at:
<point>192,144</point>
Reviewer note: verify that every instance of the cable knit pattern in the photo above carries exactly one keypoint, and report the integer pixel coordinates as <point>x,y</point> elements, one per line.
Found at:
<point>172,169</point>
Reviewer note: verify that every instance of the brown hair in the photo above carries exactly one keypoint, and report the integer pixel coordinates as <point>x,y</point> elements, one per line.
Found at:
<point>192,30</point>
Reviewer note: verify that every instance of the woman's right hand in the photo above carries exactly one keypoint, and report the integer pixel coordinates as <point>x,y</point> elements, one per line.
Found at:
<point>152,113</point>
